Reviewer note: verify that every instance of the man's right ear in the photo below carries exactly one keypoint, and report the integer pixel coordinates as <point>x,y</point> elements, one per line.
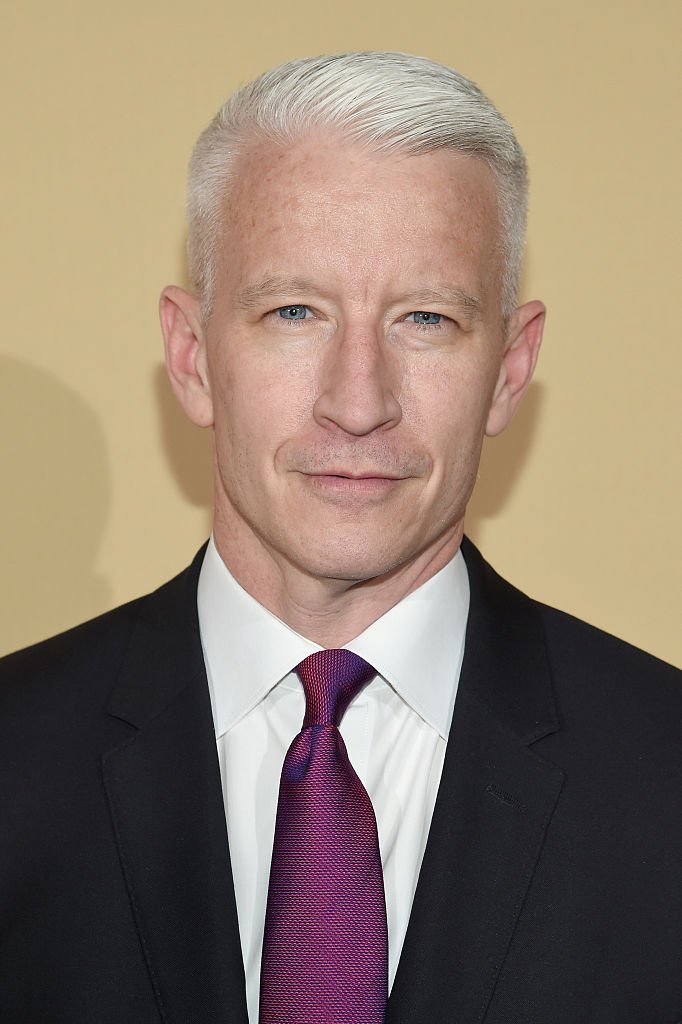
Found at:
<point>185,344</point>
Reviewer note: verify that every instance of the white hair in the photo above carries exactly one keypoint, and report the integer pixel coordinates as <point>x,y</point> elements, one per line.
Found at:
<point>390,102</point>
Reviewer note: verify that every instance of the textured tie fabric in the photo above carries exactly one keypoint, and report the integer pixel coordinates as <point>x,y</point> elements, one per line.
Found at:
<point>325,948</point>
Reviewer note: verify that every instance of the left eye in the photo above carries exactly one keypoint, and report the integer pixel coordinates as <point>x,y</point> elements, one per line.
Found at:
<point>293,312</point>
<point>424,318</point>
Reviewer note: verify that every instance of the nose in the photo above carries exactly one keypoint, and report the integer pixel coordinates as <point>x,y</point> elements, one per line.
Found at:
<point>359,384</point>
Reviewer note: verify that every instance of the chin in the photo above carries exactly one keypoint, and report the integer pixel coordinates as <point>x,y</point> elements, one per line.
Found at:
<point>351,566</point>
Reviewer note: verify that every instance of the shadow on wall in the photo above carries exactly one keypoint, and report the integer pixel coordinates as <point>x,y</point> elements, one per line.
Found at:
<point>187,448</point>
<point>56,479</point>
<point>502,463</point>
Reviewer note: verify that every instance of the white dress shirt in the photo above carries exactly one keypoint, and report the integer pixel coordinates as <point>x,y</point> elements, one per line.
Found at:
<point>395,730</point>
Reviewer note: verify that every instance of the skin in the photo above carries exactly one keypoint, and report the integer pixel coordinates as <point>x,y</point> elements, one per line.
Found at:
<point>347,428</point>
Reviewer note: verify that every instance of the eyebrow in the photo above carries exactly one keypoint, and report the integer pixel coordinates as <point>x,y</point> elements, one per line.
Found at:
<point>448,294</point>
<point>250,296</point>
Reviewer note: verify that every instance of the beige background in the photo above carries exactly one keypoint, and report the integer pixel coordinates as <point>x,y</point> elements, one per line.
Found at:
<point>106,489</point>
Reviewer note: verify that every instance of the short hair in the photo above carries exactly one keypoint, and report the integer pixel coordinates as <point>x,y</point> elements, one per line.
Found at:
<point>390,102</point>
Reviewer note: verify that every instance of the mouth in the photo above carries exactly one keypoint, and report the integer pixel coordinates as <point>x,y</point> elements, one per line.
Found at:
<point>353,484</point>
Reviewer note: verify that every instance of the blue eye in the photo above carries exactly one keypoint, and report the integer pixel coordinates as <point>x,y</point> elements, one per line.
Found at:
<point>424,318</point>
<point>293,312</point>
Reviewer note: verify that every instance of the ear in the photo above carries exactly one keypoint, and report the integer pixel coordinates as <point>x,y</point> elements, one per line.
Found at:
<point>185,345</point>
<point>524,336</point>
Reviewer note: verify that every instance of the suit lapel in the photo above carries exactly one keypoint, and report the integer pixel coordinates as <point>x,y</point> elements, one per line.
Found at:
<point>494,804</point>
<point>163,786</point>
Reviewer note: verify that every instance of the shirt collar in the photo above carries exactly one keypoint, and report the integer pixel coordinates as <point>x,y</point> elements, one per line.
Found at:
<point>417,646</point>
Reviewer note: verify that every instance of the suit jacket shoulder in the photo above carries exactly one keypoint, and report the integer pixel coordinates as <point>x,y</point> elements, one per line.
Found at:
<point>586,665</point>
<point>86,659</point>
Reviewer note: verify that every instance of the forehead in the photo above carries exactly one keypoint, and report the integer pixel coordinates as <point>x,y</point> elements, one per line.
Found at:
<point>325,200</point>
<point>330,164</point>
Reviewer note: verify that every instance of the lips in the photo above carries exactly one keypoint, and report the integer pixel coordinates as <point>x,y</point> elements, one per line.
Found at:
<point>375,459</point>
<point>371,474</point>
<point>354,487</point>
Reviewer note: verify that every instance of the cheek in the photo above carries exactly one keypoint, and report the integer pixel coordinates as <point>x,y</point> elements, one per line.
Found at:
<point>258,404</point>
<point>448,406</point>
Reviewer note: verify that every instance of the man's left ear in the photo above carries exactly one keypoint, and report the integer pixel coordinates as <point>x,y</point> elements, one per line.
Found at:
<point>524,335</point>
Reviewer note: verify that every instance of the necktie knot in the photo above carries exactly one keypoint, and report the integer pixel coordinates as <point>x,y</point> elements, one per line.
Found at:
<point>331,679</point>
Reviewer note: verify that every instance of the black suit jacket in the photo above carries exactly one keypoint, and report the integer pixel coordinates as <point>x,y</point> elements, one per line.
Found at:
<point>551,887</point>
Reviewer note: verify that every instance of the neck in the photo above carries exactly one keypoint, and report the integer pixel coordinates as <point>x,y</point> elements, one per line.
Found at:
<point>331,612</point>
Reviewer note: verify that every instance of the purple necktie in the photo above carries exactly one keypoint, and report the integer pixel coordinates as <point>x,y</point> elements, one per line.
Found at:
<point>325,943</point>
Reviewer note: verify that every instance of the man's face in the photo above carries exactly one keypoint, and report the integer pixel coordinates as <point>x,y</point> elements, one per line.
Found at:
<point>352,355</point>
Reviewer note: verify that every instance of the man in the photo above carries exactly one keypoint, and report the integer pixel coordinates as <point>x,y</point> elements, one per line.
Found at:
<point>355,235</point>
